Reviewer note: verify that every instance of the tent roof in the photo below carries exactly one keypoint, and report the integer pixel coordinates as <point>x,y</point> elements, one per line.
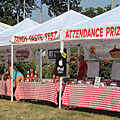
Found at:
<point>6,35</point>
<point>111,17</point>
<point>4,26</point>
<point>1,29</point>
<point>66,19</point>
<point>24,25</point>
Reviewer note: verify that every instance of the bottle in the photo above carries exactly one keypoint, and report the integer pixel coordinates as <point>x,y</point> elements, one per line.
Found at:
<point>35,77</point>
<point>31,75</point>
<point>53,78</point>
<point>28,76</point>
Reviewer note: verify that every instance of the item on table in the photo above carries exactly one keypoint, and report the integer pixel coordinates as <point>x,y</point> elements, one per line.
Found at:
<point>43,81</point>
<point>80,81</point>
<point>53,78</point>
<point>71,82</point>
<point>102,84</point>
<point>89,82</point>
<point>31,75</point>
<point>35,80</point>
<point>58,79</point>
<point>75,81</point>
<point>28,76</point>
<point>113,84</point>
<point>35,77</point>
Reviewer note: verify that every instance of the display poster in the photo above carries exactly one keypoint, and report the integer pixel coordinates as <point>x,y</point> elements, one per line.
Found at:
<point>60,65</point>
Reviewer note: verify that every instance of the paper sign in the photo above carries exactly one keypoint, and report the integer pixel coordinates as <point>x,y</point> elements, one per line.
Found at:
<point>97,82</point>
<point>64,54</point>
<point>22,55</point>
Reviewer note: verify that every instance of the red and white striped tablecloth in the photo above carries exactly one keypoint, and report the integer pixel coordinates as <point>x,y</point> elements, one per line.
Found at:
<point>31,90</point>
<point>91,97</point>
<point>5,88</point>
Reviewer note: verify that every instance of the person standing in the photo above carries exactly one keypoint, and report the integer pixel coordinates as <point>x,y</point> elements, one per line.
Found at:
<point>82,68</point>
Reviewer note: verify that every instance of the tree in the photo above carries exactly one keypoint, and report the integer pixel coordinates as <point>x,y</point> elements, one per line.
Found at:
<point>58,7</point>
<point>90,12</point>
<point>8,10</point>
<point>99,11</point>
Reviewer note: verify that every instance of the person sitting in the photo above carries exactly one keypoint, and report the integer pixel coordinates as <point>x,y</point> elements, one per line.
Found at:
<point>17,76</point>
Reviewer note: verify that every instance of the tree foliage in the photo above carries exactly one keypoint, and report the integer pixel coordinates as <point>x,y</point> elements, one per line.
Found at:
<point>58,7</point>
<point>8,10</point>
<point>23,67</point>
<point>92,12</point>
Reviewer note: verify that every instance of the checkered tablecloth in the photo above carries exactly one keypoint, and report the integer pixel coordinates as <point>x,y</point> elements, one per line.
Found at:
<point>46,81</point>
<point>31,90</point>
<point>5,88</point>
<point>90,97</point>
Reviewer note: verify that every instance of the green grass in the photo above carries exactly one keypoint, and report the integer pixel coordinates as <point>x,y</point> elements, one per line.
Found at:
<point>35,110</point>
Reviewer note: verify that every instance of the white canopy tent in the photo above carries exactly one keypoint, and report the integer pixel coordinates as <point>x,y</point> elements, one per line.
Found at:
<point>66,19</point>
<point>1,29</point>
<point>50,34</point>
<point>6,35</point>
<point>4,26</point>
<point>109,19</point>
<point>73,32</point>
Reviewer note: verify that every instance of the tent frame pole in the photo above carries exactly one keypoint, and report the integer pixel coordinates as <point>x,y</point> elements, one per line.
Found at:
<point>61,50</point>
<point>40,63</point>
<point>36,59</point>
<point>78,53</point>
<point>11,72</point>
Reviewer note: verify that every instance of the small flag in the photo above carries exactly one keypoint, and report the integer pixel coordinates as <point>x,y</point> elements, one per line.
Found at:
<point>18,3</point>
<point>38,3</point>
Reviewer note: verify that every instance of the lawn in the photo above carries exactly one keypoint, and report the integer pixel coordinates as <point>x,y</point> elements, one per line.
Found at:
<point>40,110</point>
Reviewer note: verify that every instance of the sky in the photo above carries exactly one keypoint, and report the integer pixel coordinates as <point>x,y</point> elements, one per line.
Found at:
<point>84,4</point>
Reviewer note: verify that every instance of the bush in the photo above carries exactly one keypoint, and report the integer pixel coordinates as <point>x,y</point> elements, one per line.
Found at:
<point>23,67</point>
<point>2,66</point>
<point>46,70</point>
<point>105,68</point>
